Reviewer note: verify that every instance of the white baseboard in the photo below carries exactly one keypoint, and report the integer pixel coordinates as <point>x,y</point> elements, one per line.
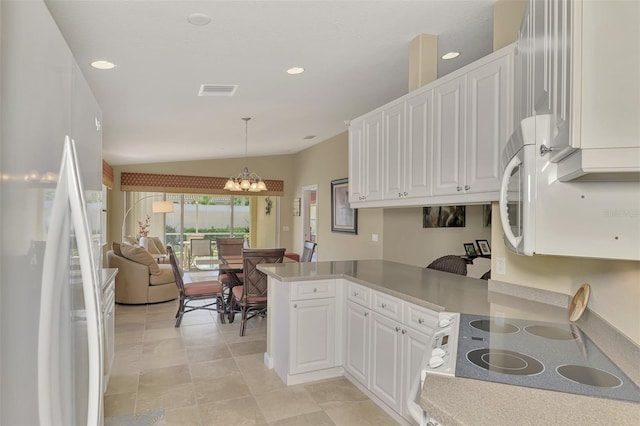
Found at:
<point>268,361</point>
<point>296,379</point>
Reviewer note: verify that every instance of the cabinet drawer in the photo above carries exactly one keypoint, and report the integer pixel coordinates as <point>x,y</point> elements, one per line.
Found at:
<point>313,289</point>
<point>359,294</point>
<point>419,318</point>
<point>388,306</point>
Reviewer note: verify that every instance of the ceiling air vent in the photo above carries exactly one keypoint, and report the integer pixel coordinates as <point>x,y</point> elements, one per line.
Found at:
<point>217,90</point>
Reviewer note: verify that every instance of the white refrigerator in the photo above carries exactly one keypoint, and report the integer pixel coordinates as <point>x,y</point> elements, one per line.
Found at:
<point>50,214</point>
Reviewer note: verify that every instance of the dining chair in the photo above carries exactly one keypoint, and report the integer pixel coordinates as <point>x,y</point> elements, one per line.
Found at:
<point>251,297</point>
<point>200,247</point>
<point>199,290</point>
<point>229,247</point>
<point>450,263</point>
<point>307,251</point>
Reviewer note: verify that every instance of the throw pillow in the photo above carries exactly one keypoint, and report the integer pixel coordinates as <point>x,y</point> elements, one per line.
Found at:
<point>140,255</point>
<point>159,245</point>
<point>149,244</point>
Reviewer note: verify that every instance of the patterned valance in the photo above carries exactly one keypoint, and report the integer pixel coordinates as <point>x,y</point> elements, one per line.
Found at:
<point>150,182</point>
<point>107,175</point>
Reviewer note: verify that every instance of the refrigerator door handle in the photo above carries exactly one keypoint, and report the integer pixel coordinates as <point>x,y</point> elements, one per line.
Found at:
<point>68,196</point>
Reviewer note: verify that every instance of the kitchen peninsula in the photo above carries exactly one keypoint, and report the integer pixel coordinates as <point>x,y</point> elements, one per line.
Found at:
<point>315,331</point>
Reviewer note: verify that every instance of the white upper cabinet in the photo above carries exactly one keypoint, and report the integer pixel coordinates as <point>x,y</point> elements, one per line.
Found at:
<point>571,64</point>
<point>418,144</point>
<point>489,124</point>
<point>548,26</point>
<point>356,161</point>
<point>449,128</point>
<point>372,145</point>
<point>393,148</point>
<point>438,144</point>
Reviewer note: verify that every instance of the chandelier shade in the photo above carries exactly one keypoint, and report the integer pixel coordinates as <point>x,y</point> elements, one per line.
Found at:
<point>246,180</point>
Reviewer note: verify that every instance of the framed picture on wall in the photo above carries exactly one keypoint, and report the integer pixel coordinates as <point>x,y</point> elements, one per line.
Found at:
<point>483,246</point>
<point>343,217</point>
<point>470,250</point>
<point>443,217</point>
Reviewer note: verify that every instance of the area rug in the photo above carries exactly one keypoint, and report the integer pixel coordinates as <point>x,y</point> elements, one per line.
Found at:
<point>144,418</point>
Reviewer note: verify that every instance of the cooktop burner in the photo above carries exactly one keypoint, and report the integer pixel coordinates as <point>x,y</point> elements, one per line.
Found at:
<point>589,376</point>
<point>494,326</point>
<point>536,354</point>
<point>551,332</point>
<point>506,362</point>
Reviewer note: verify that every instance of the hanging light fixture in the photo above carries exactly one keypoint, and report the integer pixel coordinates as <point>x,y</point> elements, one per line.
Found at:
<point>246,181</point>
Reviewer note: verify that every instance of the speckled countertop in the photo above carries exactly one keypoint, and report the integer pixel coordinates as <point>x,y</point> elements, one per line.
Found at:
<point>425,287</point>
<point>461,401</point>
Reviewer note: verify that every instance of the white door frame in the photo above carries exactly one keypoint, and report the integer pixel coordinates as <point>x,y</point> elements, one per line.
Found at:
<point>304,209</point>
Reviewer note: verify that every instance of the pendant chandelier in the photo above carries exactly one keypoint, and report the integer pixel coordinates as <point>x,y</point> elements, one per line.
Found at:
<point>246,181</point>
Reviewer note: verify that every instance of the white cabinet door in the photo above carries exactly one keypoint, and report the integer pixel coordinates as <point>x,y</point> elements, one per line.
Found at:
<point>449,122</point>
<point>357,343</point>
<point>356,160</point>
<point>312,331</point>
<point>418,145</point>
<point>393,148</point>
<point>540,16</point>
<point>373,157</point>
<point>386,360</point>
<point>561,77</point>
<point>414,346</point>
<point>488,124</point>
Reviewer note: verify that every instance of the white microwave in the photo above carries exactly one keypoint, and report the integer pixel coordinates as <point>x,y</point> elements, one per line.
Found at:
<point>542,215</point>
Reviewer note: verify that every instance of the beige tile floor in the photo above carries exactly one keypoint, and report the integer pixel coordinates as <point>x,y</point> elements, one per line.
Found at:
<point>204,373</point>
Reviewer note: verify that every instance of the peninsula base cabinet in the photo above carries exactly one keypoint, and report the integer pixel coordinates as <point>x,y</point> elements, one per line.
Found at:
<point>386,339</point>
<point>307,340</point>
<point>328,328</point>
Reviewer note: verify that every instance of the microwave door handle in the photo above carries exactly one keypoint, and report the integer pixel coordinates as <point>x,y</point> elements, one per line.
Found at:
<point>504,215</point>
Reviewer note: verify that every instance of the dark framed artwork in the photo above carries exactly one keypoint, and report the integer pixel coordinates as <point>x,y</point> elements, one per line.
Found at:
<point>343,217</point>
<point>483,246</point>
<point>443,217</point>
<point>470,250</point>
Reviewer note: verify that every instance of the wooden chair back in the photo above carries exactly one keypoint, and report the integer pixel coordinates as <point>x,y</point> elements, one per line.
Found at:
<point>255,281</point>
<point>229,246</point>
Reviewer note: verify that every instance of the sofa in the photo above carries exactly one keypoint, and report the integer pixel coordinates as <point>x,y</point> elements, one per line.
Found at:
<point>140,278</point>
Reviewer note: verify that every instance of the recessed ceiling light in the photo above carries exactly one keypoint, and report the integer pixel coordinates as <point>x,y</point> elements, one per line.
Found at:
<point>450,55</point>
<point>199,19</point>
<point>103,65</point>
<point>309,137</point>
<point>295,70</point>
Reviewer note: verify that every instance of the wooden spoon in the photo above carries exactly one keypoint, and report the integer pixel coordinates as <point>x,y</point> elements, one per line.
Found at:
<point>579,302</point>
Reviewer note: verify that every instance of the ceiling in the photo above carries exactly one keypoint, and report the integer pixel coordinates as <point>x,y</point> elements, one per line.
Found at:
<point>355,55</point>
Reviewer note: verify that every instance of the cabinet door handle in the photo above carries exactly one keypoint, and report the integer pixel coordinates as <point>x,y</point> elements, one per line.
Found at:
<point>404,331</point>
<point>467,187</point>
<point>295,306</point>
<point>399,194</point>
<point>458,188</point>
<point>383,305</point>
<point>355,293</point>
<point>406,193</point>
<point>397,329</point>
<point>366,314</point>
<point>315,290</point>
<point>420,321</point>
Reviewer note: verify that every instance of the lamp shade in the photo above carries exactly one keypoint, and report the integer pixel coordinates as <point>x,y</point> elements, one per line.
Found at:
<point>162,207</point>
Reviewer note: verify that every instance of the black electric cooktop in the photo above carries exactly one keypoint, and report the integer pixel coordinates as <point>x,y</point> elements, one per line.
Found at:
<point>556,357</point>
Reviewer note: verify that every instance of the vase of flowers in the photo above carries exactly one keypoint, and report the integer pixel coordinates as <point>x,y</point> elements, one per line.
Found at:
<point>143,227</point>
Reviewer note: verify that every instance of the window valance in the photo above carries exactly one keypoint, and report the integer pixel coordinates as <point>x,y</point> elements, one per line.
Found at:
<point>150,182</point>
